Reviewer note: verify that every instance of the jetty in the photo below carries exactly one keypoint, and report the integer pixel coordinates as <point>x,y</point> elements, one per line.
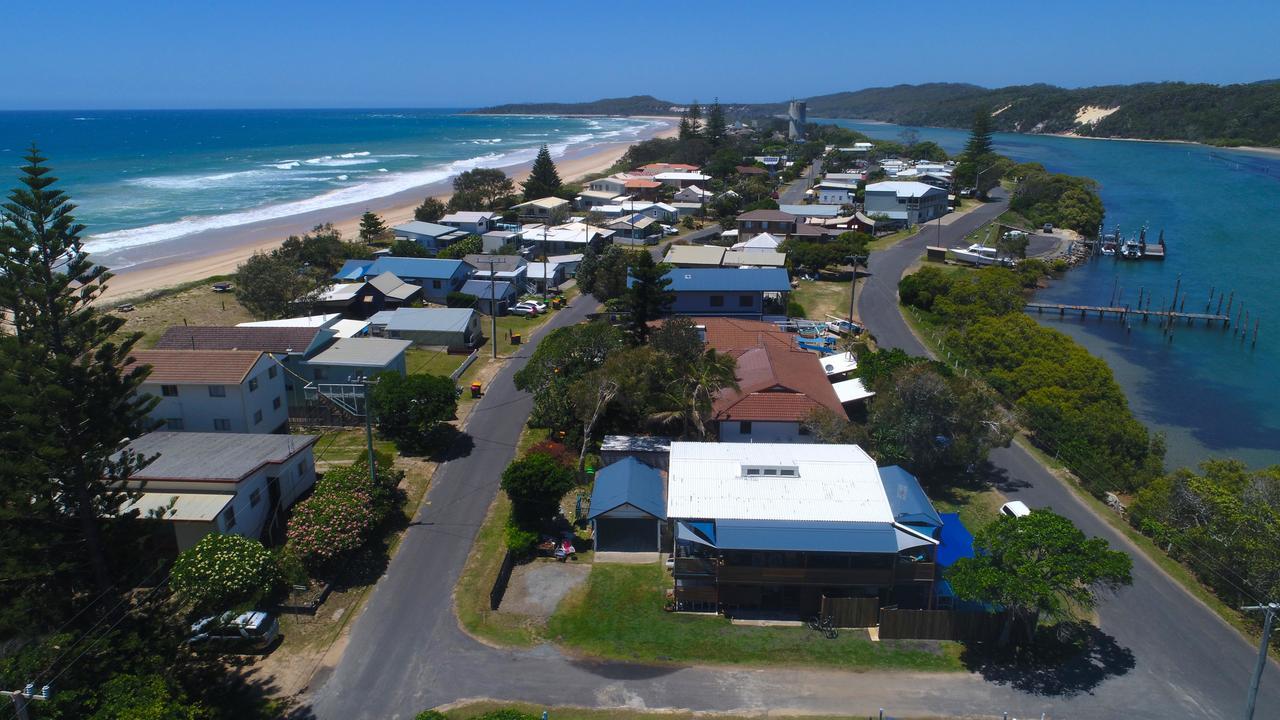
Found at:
<point>1124,311</point>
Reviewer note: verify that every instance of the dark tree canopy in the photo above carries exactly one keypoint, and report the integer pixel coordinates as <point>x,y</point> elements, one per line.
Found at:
<point>544,179</point>
<point>648,297</point>
<point>431,210</point>
<point>481,189</point>
<point>372,228</point>
<point>535,485</point>
<point>411,408</point>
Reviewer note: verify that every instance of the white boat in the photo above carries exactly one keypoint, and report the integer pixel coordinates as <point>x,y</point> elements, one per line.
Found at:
<point>979,254</point>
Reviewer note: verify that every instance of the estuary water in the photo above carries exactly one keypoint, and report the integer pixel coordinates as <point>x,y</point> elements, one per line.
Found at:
<point>1212,392</point>
<point>144,180</point>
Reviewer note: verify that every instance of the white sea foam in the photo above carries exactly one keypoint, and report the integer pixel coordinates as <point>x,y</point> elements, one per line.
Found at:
<point>194,182</point>
<point>375,187</point>
<point>342,177</point>
<point>286,165</point>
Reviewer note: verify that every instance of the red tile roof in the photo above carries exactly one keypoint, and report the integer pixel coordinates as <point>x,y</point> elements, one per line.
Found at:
<point>751,170</point>
<point>215,367</point>
<point>643,184</point>
<point>726,334</point>
<point>776,384</point>
<point>265,339</point>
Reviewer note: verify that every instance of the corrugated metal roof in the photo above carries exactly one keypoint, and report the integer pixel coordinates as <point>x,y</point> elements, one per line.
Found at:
<point>419,227</point>
<point>846,537</point>
<point>376,353</point>
<point>485,290</point>
<point>829,211</point>
<point>754,258</point>
<point>180,507</point>
<point>402,267</point>
<point>430,319</point>
<point>266,339</point>
<point>225,457</point>
<point>903,188</point>
<point>628,482</point>
<point>695,255</point>
<point>729,280</point>
<point>851,390</point>
<point>907,499</point>
<point>837,483</point>
<point>216,367</point>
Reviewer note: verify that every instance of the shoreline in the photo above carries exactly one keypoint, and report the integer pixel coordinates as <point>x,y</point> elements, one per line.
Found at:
<point>218,252</point>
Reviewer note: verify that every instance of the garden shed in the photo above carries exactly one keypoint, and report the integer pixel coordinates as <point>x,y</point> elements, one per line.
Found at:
<point>628,508</point>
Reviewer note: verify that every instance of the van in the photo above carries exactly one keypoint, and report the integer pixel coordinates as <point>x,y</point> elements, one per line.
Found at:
<point>1048,228</point>
<point>1016,508</point>
<point>253,630</point>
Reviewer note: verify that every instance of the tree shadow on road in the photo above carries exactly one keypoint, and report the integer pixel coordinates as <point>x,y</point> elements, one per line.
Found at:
<point>1065,660</point>
<point>450,443</point>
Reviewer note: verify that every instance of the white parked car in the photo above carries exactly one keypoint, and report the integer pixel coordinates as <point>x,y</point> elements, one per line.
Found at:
<point>670,230</point>
<point>1016,508</point>
<point>537,304</point>
<point>525,309</point>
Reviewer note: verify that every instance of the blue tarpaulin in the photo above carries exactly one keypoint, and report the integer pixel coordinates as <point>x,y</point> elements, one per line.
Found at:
<point>957,541</point>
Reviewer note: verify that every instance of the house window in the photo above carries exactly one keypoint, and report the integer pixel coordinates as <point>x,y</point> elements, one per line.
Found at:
<point>174,424</point>
<point>255,497</point>
<point>253,384</point>
<point>744,427</point>
<point>217,391</point>
<point>435,284</point>
<point>169,390</point>
<point>271,372</point>
<point>222,424</point>
<point>229,518</point>
<point>717,301</point>
<point>257,416</point>
<point>745,301</point>
<point>753,471</point>
<point>275,404</point>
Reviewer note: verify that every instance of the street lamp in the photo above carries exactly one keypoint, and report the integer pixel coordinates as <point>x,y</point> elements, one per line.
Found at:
<point>977,188</point>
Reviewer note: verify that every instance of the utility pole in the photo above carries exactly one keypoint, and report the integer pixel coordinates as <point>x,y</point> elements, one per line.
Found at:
<point>853,291</point>
<point>1270,609</point>
<point>22,697</point>
<point>368,430</point>
<point>493,304</point>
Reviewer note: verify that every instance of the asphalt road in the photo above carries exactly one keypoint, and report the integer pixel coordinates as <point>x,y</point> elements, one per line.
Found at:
<point>793,194</point>
<point>1185,658</point>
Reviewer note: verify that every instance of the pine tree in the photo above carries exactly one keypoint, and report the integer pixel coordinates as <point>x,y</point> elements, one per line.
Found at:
<point>648,297</point>
<point>63,434</point>
<point>686,128</point>
<point>544,180</point>
<point>979,136</point>
<point>716,129</point>
<point>695,120</point>
<point>372,228</point>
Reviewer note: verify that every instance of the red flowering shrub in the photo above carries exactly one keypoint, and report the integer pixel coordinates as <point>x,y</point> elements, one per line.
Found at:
<point>557,450</point>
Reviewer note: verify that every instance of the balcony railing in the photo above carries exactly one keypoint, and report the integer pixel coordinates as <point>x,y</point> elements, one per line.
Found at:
<point>922,571</point>
<point>695,566</point>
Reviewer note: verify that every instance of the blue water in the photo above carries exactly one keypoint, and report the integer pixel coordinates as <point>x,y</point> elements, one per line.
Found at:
<point>146,178</point>
<point>1211,392</point>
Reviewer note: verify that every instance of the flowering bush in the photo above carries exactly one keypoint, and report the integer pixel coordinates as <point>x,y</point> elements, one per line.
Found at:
<point>223,571</point>
<point>557,450</point>
<point>385,496</point>
<point>330,523</point>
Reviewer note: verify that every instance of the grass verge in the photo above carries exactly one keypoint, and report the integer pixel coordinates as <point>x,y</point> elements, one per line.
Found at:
<point>619,615</point>
<point>821,298</point>
<point>472,710</point>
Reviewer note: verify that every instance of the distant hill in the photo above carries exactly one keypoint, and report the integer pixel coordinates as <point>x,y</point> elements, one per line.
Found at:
<point>1246,114</point>
<point>634,105</point>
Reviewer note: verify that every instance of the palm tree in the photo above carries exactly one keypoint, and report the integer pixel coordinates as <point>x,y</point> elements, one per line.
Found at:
<point>691,389</point>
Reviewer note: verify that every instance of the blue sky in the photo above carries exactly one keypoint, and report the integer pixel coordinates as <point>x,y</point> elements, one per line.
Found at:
<point>79,54</point>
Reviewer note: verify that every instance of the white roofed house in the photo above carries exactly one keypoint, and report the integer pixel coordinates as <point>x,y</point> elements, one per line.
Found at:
<point>834,192</point>
<point>908,202</point>
<point>785,528</point>
<point>588,199</point>
<point>568,238</point>
<point>542,210</point>
<point>233,483</point>
<point>682,179</point>
<point>506,268</point>
<point>694,194</point>
<point>616,184</point>
<point>434,237</point>
<point>471,222</point>
<point>351,360</point>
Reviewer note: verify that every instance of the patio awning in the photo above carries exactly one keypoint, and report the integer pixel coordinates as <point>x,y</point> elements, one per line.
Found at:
<point>689,534</point>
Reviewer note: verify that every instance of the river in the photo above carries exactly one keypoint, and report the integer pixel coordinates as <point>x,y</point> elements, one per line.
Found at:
<point>1212,392</point>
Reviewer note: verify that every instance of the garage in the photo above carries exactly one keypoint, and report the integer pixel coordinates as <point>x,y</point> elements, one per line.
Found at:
<point>628,508</point>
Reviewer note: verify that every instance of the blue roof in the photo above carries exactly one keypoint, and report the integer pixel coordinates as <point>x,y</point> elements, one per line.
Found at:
<point>957,541</point>
<point>910,505</point>
<point>844,537</point>
<point>485,290</point>
<point>628,482</point>
<point>729,280</point>
<point>404,267</point>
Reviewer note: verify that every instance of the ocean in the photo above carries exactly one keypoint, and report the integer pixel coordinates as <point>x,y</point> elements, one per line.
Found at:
<point>1212,392</point>
<point>143,180</point>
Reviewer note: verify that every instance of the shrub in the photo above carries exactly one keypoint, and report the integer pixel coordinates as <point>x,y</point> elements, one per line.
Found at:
<point>459,299</point>
<point>328,525</point>
<point>385,495</point>
<point>224,571</point>
<point>796,310</point>
<point>535,484</point>
<point>430,715</point>
<point>410,408</point>
<point>519,541</point>
<point>557,450</point>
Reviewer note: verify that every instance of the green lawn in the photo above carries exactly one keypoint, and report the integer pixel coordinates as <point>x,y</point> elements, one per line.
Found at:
<point>346,445</point>
<point>428,361</point>
<point>821,298</point>
<point>977,508</point>
<point>619,615</point>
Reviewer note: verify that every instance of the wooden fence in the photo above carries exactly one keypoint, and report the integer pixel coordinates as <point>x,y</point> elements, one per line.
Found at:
<point>851,612</point>
<point>939,625</point>
<point>500,583</point>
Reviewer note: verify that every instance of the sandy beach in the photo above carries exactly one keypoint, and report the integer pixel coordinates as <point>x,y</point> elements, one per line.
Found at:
<point>219,252</point>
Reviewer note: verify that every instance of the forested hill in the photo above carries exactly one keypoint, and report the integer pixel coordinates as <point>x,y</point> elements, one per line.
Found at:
<point>634,105</point>
<point>1247,114</point>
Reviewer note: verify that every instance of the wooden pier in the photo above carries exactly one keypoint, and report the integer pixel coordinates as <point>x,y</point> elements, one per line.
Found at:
<point>1123,312</point>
